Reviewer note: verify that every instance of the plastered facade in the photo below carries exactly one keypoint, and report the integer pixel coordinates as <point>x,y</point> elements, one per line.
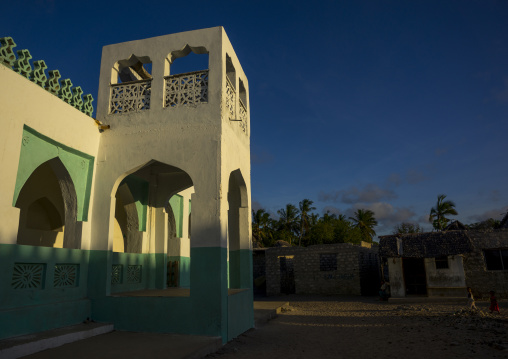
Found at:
<point>168,137</point>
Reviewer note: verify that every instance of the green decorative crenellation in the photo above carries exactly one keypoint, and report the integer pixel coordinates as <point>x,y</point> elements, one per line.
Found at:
<point>65,92</point>
<point>63,89</point>
<point>22,64</point>
<point>7,55</point>
<point>53,84</point>
<point>38,75</point>
<point>87,105</point>
<point>76,100</point>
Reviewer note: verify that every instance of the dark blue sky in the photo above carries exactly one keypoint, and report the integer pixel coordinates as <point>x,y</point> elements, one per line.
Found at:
<point>354,104</point>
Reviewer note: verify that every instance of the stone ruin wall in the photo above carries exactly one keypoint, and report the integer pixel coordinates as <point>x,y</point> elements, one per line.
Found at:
<point>478,277</point>
<point>356,265</point>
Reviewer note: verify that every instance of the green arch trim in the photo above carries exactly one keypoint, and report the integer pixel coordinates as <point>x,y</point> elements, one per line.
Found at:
<point>139,189</point>
<point>176,202</point>
<point>37,149</point>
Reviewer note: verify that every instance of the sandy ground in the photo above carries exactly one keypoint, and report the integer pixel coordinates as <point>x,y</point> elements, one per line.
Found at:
<point>362,327</point>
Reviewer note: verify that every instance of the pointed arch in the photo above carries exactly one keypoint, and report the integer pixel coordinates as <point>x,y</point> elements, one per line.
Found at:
<point>238,231</point>
<point>48,208</point>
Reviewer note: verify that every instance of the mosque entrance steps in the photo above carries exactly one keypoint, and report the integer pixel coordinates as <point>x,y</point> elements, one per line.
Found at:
<point>124,343</point>
<point>20,346</point>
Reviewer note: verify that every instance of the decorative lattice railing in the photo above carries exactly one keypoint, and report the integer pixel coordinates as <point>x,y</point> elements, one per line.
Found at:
<point>186,89</point>
<point>63,88</point>
<point>230,100</point>
<point>243,117</point>
<point>130,96</point>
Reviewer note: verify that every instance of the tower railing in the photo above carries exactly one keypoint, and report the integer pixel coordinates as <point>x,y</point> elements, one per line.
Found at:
<point>133,96</point>
<point>243,116</point>
<point>186,89</point>
<point>230,99</point>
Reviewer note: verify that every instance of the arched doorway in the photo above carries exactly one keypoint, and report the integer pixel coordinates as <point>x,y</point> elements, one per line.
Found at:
<point>238,230</point>
<point>147,232</point>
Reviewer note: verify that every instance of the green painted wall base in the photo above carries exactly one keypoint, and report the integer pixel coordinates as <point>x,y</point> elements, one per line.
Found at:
<point>240,269</point>
<point>184,269</point>
<point>38,318</point>
<point>207,311</point>
<point>240,313</point>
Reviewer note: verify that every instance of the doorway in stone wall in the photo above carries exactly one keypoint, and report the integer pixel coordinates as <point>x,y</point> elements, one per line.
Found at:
<point>414,276</point>
<point>287,275</point>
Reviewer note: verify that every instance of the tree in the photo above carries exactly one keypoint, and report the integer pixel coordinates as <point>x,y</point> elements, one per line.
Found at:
<point>288,223</point>
<point>305,208</point>
<point>406,227</point>
<point>438,213</point>
<point>490,223</point>
<point>364,220</point>
<point>261,229</point>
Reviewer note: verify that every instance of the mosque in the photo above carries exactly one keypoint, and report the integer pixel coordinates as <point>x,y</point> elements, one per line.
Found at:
<point>140,217</point>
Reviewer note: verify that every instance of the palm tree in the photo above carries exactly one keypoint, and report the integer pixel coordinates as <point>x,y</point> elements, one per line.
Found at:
<point>289,220</point>
<point>305,208</point>
<point>260,225</point>
<point>437,214</point>
<point>364,220</point>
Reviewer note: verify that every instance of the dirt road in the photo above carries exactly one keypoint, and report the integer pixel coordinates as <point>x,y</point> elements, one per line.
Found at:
<point>362,327</point>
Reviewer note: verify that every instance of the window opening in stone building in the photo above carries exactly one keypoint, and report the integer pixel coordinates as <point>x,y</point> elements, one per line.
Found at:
<point>496,259</point>
<point>186,77</point>
<point>132,69</point>
<point>327,262</point>
<point>48,208</point>
<point>441,262</point>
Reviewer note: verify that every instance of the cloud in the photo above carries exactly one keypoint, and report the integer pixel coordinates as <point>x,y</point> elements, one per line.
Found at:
<point>368,194</point>
<point>394,179</point>
<point>332,210</point>
<point>412,176</point>
<point>262,157</point>
<point>497,213</point>
<point>415,176</point>
<point>386,215</point>
<point>494,195</point>
<point>256,205</point>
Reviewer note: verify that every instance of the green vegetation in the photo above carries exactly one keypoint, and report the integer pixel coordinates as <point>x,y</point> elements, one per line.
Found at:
<point>302,227</point>
<point>438,213</point>
<point>406,227</point>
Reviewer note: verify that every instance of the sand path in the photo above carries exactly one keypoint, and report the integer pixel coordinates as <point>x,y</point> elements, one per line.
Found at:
<point>362,327</point>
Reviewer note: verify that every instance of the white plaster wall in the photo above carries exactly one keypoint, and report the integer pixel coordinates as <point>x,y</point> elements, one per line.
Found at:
<point>23,102</point>
<point>453,276</point>
<point>235,145</point>
<point>397,286</point>
<point>192,138</point>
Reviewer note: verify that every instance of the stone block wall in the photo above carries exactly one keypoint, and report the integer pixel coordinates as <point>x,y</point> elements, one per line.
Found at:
<point>258,262</point>
<point>478,277</point>
<point>325,269</point>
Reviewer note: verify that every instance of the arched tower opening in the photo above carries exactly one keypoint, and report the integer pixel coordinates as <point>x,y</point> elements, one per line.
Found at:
<point>186,77</point>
